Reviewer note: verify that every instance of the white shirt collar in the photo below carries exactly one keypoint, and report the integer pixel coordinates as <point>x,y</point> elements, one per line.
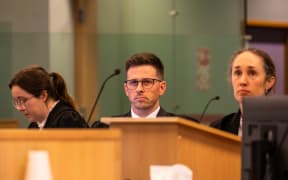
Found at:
<point>240,127</point>
<point>151,115</point>
<point>42,124</point>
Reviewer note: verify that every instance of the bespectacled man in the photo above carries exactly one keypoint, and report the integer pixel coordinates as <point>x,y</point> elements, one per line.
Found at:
<point>145,85</point>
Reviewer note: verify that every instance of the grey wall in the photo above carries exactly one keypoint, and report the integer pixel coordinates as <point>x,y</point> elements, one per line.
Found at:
<point>267,10</point>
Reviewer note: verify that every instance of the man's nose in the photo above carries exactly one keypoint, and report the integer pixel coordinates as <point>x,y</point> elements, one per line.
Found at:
<point>139,86</point>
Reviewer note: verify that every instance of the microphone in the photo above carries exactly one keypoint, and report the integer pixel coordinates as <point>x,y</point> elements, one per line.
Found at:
<point>205,109</point>
<point>116,72</point>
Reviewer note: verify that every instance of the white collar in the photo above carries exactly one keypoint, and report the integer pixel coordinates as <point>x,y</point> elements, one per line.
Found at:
<point>42,124</point>
<point>151,115</point>
<point>240,130</point>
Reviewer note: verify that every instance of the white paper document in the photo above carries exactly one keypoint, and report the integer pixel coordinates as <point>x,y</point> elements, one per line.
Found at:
<point>173,172</point>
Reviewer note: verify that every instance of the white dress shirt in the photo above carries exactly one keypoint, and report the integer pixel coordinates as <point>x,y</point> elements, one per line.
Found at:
<point>151,115</point>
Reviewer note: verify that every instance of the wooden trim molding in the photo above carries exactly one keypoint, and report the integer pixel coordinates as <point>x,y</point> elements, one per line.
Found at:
<point>9,123</point>
<point>86,64</point>
<point>267,24</point>
<point>286,65</point>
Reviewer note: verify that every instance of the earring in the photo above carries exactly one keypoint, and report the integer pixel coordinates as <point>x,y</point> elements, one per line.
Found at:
<point>266,91</point>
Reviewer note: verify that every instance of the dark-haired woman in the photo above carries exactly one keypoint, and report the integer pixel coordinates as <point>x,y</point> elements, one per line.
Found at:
<point>43,99</point>
<point>252,73</point>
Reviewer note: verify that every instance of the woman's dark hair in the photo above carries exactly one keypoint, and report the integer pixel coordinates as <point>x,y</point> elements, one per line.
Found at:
<point>35,79</point>
<point>269,66</point>
<point>146,59</point>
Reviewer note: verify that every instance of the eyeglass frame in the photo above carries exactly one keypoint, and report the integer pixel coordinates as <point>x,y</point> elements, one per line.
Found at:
<point>138,81</point>
<point>20,101</point>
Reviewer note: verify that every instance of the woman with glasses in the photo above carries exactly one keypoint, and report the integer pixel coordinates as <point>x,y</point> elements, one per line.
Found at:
<point>43,99</point>
<point>252,73</point>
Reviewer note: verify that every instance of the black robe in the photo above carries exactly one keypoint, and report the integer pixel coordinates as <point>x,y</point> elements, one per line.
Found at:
<point>229,123</point>
<point>63,116</point>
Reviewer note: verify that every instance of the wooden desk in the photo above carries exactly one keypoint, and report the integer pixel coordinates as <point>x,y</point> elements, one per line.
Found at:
<point>210,153</point>
<point>75,154</point>
<point>9,123</point>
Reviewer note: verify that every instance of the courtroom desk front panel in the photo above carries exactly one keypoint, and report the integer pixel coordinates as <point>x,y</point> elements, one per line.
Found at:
<point>75,154</point>
<point>210,153</point>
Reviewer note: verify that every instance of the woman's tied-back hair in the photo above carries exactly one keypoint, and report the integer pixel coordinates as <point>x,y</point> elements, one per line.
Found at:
<point>34,79</point>
<point>146,59</point>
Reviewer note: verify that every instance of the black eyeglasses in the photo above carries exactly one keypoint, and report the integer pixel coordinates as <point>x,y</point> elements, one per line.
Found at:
<point>146,83</point>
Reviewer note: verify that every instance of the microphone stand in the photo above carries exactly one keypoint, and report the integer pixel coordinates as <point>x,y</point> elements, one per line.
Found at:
<point>116,72</point>
<point>205,109</point>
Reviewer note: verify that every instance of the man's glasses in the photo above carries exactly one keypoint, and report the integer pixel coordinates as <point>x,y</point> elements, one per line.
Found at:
<point>20,101</point>
<point>146,83</point>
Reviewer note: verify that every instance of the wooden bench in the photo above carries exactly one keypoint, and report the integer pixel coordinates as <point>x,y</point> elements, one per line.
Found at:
<point>9,123</point>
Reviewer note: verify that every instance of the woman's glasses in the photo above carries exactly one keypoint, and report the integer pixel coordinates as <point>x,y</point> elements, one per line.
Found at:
<point>20,101</point>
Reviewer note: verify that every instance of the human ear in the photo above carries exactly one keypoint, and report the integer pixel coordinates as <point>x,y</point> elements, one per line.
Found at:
<point>44,95</point>
<point>163,86</point>
<point>270,83</point>
<point>125,89</point>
